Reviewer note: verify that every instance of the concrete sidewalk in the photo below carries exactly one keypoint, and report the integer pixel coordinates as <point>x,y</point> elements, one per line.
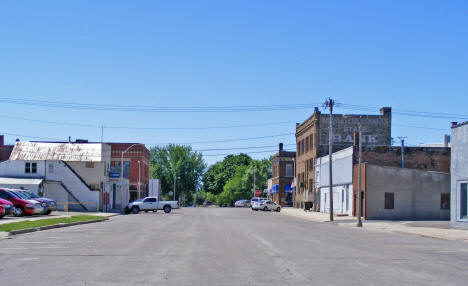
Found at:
<point>434,229</point>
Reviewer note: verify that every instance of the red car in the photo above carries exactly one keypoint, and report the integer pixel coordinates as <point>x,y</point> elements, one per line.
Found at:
<point>6,208</point>
<point>22,206</point>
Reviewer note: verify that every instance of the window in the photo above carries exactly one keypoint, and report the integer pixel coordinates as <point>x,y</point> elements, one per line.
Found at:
<point>463,201</point>
<point>30,168</point>
<point>389,201</point>
<point>289,170</point>
<point>445,201</point>
<point>51,168</point>
<point>307,144</point>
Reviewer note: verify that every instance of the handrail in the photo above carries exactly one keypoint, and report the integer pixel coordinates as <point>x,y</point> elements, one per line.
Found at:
<point>76,174</point>
<point>73,196</point>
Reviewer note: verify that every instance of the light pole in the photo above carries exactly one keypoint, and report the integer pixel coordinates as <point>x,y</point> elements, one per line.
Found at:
<point>359,222</point>
<point>139,194</point>
<point>121,173</point>
<point>175,179</point>
<point>294,195</point>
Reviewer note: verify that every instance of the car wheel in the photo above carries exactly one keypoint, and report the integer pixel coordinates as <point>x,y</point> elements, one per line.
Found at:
<point>254,209</point>
<point>48,212</point>
<point>18,212</point>
<point>2,216</point>
<point>135,209</point>
<point>265,209</point>
<point>146,211</point>
<point>278,209</point>
<point>155,211</point>
<point>167,209</point>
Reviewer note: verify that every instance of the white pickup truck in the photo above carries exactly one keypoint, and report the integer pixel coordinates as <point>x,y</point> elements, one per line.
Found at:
<point>151,204</point>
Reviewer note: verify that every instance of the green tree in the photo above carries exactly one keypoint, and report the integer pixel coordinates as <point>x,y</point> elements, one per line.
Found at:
<point>218,174</point>
<point>179,163</point>
<point>241,185</point>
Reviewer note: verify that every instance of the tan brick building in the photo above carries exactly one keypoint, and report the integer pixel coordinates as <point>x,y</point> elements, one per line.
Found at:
<point>282,176</point>
<point>312,142</point>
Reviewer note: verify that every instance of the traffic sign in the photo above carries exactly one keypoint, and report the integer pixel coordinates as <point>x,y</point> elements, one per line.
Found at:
<point>257,193</point>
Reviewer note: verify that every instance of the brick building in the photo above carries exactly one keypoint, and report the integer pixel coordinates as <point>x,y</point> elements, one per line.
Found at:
<point>5,150</point>
<point>137,160</point>
<point>312,142</point>
<point>282,176</point>
<point>429,165</point>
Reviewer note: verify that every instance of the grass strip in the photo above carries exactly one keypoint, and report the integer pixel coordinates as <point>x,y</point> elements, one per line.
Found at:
<point>45,222</point>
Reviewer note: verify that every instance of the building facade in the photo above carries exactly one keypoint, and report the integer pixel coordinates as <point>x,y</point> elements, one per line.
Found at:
<point>74,174</point>
<point>459,176</point>
<point>420,190</point>
<point>5,150</point>
<point>137,160</point>
<point>282,164</point>
<point>312,143</point>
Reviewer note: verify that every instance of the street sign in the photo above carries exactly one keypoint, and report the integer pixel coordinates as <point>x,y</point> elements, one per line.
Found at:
<point>114,175</point>
<point>257,193</point>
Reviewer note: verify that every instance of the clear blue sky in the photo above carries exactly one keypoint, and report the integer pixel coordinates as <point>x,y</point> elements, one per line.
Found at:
<point>405,54</point>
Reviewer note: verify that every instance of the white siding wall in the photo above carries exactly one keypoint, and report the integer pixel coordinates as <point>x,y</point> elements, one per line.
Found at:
<point>342,181</point>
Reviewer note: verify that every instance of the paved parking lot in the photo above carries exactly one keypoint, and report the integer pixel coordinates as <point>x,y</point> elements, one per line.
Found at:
<point>225,246</point>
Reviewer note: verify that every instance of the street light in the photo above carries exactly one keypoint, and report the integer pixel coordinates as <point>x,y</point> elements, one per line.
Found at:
<point>121,172</point>
<point>139,194</point>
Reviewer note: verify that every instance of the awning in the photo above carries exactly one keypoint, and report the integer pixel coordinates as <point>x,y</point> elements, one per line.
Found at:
<point>274,189</point>
<point>19,181</point>
<point>288,189</point>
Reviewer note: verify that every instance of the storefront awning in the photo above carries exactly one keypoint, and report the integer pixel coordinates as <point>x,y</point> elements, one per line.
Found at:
<point>274,189</point>
<point>288,189</point>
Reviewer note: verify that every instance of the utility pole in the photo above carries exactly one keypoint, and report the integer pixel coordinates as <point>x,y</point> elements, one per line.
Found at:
<point>359,222</point>
<point>330,103</point>
<point>102,133</point>
<point>175,178</point>
<point>254,183</point>
<point>402,151</point>
<point>139,189</point>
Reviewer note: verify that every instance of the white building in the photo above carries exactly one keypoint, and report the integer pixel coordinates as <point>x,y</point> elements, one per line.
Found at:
<point>459,176</point>
<point>74,174</point>
<point>342,182</point>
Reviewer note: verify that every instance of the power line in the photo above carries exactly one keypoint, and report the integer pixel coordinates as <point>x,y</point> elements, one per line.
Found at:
<point>227,140</point>
<point>140,108</point>
<point>144,128</point>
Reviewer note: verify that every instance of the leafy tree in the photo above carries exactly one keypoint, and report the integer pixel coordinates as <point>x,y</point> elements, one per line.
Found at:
<point>241,185</point>
<point>179,163</point>
<point>218,174</point>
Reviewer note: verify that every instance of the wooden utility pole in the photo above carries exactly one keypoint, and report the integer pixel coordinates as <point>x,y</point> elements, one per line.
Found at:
<point>330,103</point>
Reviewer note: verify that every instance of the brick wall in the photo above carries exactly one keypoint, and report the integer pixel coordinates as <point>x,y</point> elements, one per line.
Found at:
<point>422,158</point>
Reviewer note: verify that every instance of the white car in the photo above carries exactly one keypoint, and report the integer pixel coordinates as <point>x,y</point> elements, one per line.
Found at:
<point>242,203</point>
<point>266,206</point>
<point>151,204</point>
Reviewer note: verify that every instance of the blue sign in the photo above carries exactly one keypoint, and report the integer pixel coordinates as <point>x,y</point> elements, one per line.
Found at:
<point>114,175</point>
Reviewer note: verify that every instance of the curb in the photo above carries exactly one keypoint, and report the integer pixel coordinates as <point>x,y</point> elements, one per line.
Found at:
<point>60,225</point>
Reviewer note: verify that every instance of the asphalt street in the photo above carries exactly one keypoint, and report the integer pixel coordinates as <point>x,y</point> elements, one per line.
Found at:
<point>224,246</point>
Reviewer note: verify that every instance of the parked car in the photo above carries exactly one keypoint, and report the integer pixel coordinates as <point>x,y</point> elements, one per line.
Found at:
<point>22,206</point>
<point>266,206</point>
<point>6,208</point>
<point>242,203</point>
<point>256,200</point>
<point>51,205</point>
<point>151,204</point>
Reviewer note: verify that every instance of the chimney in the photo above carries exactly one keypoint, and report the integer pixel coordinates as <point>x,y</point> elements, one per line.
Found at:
<point>281,147</point>
<point>69,139</point>
<point>385,110</point>
<point>454,124</point>
<point>316,109</point>
<point>1,141</point>
<point>446,140</point>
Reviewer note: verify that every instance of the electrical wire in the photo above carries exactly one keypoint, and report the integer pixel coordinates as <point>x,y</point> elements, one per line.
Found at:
<point>147,108</point>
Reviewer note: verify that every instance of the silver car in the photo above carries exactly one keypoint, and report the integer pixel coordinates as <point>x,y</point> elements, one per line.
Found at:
<point>266,206</point>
